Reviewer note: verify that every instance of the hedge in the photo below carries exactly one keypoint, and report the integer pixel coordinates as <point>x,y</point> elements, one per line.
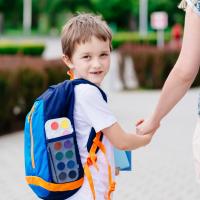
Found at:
<point>152,65</point>
<point>21,83</point>
<point>25,48</point>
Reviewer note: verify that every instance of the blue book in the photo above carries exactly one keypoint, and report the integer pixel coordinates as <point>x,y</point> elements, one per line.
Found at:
<point>122,159</point>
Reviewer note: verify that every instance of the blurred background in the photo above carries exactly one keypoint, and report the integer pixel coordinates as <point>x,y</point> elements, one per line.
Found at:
<point>146,42</point>
<point>147,37</point>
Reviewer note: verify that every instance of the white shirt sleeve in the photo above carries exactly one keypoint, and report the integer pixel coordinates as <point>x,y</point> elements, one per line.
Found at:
<point>94,108</point>
<point>194,5</point>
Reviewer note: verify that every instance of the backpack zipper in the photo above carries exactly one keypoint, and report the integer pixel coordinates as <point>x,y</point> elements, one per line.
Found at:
<point>31,136</point>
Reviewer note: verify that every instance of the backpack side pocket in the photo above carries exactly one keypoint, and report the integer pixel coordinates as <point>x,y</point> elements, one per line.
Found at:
<point>36,156</point>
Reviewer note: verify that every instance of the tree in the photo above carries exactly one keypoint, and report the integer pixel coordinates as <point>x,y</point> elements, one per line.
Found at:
<point>171,7</point>
<point>120,12</point>
<point>12,12</point>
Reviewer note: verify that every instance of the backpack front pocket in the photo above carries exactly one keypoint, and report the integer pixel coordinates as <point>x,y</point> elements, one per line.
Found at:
<point>64,163</point>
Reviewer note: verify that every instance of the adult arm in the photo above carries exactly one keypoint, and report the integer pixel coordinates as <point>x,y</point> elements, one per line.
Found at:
<point>182,75</point>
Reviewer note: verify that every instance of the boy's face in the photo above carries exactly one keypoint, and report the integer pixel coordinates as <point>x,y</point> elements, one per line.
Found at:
<point>90,60</point>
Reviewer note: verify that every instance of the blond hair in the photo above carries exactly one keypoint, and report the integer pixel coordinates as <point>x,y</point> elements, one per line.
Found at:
<point>80,29</point>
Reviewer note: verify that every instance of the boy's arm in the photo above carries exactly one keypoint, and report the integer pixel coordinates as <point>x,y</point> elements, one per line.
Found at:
<point>125,141</point>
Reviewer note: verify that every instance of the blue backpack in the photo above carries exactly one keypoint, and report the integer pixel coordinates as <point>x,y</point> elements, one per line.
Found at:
<point>52,161</point>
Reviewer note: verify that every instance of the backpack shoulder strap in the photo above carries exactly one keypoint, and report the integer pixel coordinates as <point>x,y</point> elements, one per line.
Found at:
<point>92,160</point>
<point>92,132</point>
<point>83,81</point>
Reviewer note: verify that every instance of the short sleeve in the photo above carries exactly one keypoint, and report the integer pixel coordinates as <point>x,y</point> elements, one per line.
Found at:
<point>194,4</point>
<point>94,108</point>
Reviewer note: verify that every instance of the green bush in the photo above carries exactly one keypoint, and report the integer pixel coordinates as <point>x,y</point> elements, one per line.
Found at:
<point>10,48</point>
<point>134,38</point>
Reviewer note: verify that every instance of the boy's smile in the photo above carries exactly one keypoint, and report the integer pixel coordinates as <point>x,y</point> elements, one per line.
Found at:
<point>90,60</point>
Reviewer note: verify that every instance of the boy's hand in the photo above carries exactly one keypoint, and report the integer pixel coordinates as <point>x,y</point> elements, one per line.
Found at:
<point>148,126</point>
<point>147,138</point>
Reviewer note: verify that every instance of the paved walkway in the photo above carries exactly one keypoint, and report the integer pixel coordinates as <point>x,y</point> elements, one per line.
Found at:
<point>162,171</point>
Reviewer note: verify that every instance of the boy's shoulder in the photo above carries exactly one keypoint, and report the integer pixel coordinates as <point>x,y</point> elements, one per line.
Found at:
<point>87,90</point>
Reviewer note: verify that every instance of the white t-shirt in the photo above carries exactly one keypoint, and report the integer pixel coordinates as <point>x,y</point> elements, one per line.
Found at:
<point>90,110</point>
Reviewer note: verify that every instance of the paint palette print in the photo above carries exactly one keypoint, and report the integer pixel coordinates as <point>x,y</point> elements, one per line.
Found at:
<point>58,127</point>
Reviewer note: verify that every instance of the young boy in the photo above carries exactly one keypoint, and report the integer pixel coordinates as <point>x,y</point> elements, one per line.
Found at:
<point>86,43</point>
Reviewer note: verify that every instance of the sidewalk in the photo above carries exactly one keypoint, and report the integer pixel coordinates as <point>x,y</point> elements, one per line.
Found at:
<point>162,171</point>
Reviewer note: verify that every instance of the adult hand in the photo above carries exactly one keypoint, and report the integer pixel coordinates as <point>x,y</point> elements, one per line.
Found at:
<point>148,126</point>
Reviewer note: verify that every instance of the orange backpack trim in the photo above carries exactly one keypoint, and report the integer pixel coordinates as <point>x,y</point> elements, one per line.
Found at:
<point>61,187</point>
<point>91,160</point>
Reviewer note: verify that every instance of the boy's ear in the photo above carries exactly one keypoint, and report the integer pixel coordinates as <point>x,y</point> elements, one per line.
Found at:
<point>67,61</point>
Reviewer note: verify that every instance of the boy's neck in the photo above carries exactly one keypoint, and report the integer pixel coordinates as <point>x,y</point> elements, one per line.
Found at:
<point>75,77</point>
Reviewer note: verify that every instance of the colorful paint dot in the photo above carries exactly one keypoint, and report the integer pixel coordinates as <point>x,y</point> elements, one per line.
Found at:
<point>69,154</point>
<point>67,144</point>
<point>72,174</point>
<point>57,146</point>
<point>65,132</point>
<point>61,166</point>
<point>64,124</point>
<point>59,156</point>
<point>71,164</point>
<point>62,176</point>
<point>54,126</point>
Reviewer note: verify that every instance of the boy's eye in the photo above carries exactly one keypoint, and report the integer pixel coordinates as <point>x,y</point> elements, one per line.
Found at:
<point>86,57</point>
<point>104,54</point>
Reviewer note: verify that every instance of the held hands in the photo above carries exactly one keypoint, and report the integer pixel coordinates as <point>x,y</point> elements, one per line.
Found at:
<point>146,129</point>
<point>148,126</point>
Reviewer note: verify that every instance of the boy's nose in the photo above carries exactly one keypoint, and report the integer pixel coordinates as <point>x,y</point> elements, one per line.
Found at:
<point>97,64</point>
